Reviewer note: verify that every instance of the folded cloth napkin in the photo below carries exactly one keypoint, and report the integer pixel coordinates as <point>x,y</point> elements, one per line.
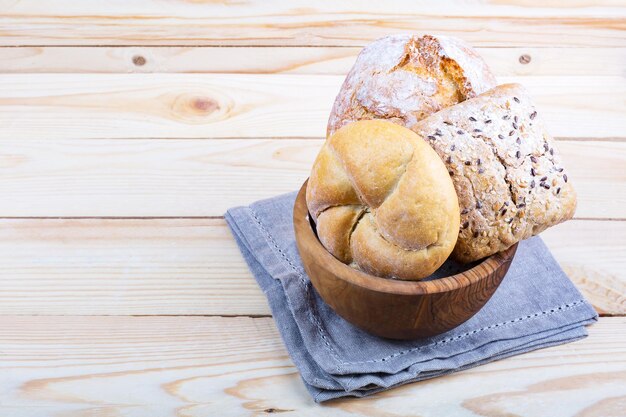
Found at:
<point>535,306</point>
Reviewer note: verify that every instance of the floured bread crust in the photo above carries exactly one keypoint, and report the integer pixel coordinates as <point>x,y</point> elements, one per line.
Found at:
<point>405,78</point>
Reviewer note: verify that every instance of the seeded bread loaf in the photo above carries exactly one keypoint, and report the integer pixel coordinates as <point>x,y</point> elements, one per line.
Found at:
<point>405,78</point>
<point>382,201</point>
<point>506,170</point>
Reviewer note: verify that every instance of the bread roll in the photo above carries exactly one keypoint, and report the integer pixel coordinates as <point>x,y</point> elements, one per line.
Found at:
<point>383,201</point>
<point>507,172</point>
<point>405,78</point>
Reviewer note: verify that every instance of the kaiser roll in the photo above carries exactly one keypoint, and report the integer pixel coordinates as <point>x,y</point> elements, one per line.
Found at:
<point>383,201</point>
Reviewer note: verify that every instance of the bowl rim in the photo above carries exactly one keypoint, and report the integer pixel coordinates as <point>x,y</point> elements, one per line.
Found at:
<point>482,270</point>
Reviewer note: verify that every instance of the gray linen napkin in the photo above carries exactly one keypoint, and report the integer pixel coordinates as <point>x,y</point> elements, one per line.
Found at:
<point>535,306</point>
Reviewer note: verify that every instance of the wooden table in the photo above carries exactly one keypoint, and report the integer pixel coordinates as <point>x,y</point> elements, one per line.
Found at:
<point>128,128</point>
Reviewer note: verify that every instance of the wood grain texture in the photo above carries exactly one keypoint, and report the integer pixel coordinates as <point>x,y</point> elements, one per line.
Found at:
<point>208,366</point>
<point>133,178</point>
<point>599,276</point>
<point>87,142</point>
<point>138,266</point>
<point>392,308</point>
<point>193,266</point>
<point>504,61</point>
<point>343,22</point>
<point>63,106</point>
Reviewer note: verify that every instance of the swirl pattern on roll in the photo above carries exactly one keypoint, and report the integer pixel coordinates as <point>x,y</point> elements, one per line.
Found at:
<point>383,201</point>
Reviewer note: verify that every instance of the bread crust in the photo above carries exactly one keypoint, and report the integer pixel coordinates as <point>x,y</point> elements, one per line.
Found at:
<point>405,78</point>
<point>505,167</point>
<point>507,173</point>
<point>383,201</point>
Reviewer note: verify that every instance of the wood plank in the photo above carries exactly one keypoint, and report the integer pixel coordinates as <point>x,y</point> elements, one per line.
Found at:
<point>178,266</point>
<point>193,266</point>
<point>345,22</point>
<point>207,366</point>
<point>249,105</point>
<point>597,268</point>
<point>190,178</point>
<point>297,60</point>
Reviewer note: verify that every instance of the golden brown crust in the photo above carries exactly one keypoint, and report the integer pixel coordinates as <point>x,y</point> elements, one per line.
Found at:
<point>338,218</point>
<point>507,172</point>
<point>405,78</point>
<point>509,178</point>
<point>383,201</point>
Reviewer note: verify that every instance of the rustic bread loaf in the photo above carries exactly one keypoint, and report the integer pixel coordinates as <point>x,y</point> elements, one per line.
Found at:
<point>506,170</point>
<point>405,78</point>
<point>383,201</point>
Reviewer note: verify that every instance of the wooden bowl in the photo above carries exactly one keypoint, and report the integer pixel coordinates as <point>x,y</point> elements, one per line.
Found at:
<point>392,308</point>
